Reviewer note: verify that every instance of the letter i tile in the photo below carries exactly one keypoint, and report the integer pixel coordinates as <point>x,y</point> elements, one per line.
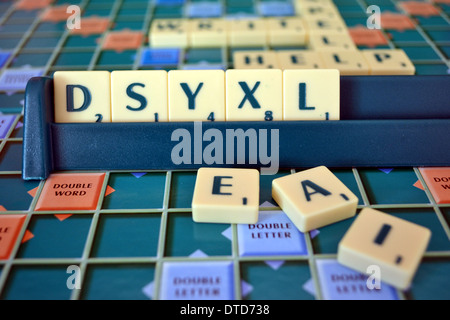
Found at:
<point>314,198</point>
<point>395,245</point>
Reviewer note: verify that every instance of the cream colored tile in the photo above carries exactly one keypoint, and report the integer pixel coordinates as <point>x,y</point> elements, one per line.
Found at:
<point>299,59</point>
<point>169,33</point>
<point>289,31</point>
<point>331,41</point>
<point>311,94</point>
<point>255,60</point>
<point>208,33</point>
<point>254,95</point>
<point>226,196</point>
<point>82,96</point>
<point>394,245</point>
<point>348,62</point>
<point>196,95</point>
<point>247,33</point>
<point>314,198</point>
<point>139,96</point>
<point>388,62</point>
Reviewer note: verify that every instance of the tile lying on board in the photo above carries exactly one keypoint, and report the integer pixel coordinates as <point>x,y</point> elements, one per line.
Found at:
<point>224,195</point>
<point>247,33</point>
<point>331,41</point>
<point>169,33</point>
<point>204,33</point>
<point>314,198</point>
<point>255,60</point>
<point>299,59</point>
<point>395,245</point>
<point>388,62</point>
<point>348,62</point>
<point>286,32</point>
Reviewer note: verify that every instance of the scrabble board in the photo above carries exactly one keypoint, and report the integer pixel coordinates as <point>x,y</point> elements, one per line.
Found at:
<point>135,237</point>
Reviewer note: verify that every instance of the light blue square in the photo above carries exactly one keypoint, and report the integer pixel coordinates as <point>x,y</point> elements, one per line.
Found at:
<point>338,282</point>
<point>4,56</point>
<point>5,124</point>
<point>13,80</point>
<point>276,9</point>
<point>274,234</point>
<point>160,57</point>
<point>198,280</point>
<point>169,2</point>
<point>204,10</point>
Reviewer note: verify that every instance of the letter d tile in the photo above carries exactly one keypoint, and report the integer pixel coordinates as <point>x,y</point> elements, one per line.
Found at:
<point>82,96</point>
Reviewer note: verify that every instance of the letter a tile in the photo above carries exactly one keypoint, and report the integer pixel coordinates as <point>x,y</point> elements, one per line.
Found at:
<point>314,198</point>
<point>226,196</point>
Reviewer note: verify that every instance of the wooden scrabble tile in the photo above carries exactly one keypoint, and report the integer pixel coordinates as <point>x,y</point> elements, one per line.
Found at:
<point>226,195</point>
<point>326,10</point>
<point>388,62</point>
<point>169,33</point>
<point>205,33</point>
<point>139,96</point>
<point>314,198</point>
<point>10,226</point>
<point>254,95</point>
<point>82,96</point>
<point>289,31</point>
<point>438,181</point>
<point>348,62</point>
<point>301,5</point>
<point>299,59</point>
<point>71,191</point>
<point>331,41</point>
<point>395,245</point>
<point>304,98</point>
<point>247,33</point>
<point>255,60</point>
<point>318,24</point>
<point>196,95</point>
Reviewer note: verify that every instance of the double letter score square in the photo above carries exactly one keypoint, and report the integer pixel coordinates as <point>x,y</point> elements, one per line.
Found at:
<point>224,195</point>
